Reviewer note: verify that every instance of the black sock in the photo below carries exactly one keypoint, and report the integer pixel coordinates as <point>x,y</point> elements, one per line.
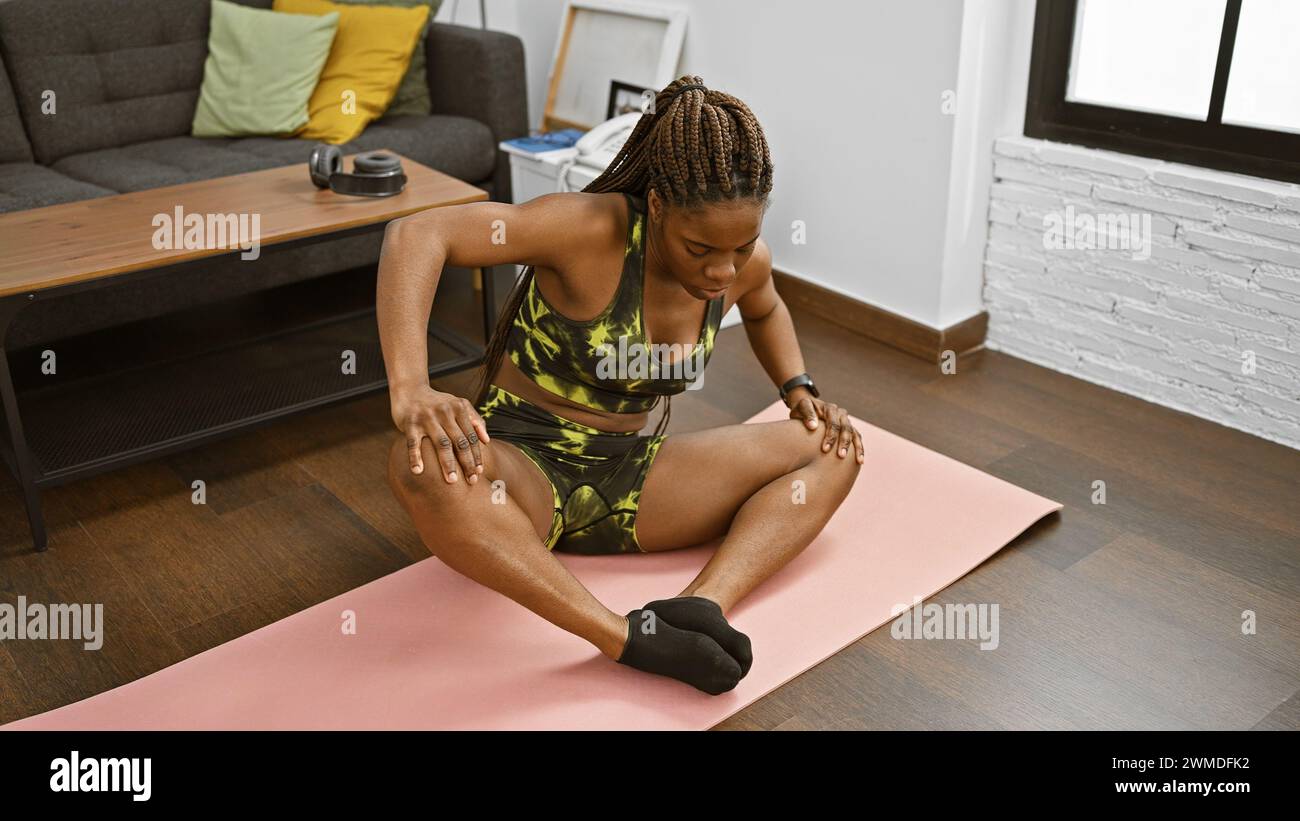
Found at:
<point>655,646</point>
<point>705,616</point>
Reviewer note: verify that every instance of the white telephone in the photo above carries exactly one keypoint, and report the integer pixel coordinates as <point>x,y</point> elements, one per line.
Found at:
<point>599,146</point>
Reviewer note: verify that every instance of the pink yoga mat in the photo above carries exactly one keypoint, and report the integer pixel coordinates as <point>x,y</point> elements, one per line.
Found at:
<point>434,650</point>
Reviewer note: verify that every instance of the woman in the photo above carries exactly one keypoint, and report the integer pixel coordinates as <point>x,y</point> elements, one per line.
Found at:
<point>639,266</point>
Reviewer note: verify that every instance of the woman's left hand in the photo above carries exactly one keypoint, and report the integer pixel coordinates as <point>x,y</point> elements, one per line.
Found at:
<point>840,433</point>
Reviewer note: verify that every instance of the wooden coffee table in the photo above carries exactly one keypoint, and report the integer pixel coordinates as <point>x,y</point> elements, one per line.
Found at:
<point>67,428</point>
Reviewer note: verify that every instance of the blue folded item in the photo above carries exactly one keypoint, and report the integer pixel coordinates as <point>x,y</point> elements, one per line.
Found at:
<point>551,141</point>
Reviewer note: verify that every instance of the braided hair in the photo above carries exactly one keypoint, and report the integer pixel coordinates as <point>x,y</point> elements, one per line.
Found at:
<point>695,146</point>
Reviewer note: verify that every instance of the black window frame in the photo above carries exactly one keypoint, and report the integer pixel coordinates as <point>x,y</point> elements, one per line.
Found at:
<point>1211,144</point>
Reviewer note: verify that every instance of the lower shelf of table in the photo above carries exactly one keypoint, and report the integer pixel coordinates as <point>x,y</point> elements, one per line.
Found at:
<point>112,419</point>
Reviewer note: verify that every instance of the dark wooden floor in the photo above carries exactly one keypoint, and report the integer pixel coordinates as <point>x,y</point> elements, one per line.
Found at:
<point>1126,615</point>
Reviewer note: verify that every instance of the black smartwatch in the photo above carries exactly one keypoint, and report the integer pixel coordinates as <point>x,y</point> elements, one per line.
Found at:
<point>802,380</point>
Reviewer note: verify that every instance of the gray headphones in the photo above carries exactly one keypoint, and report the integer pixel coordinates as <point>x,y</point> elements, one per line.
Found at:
<point>374,173</point>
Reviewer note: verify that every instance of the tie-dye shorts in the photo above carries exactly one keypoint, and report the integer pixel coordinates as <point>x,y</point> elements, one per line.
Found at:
<point>595,476</point>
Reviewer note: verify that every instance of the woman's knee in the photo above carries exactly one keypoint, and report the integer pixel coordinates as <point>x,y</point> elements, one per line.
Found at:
<point>798,445</point>
<point>408,485</point>
<point>430,486</point>
<point>805,450</point>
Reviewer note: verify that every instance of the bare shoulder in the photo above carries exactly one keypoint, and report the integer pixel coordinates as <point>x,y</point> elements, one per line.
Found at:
<point>758,269</point>
<point>755,291</point>
<point>582,216</point>
<point>582,224</point>
<point>553,231</point>
<point>761,260</point>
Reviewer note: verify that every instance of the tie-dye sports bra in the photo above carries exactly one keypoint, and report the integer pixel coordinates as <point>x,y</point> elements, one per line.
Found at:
<point>603,363</point>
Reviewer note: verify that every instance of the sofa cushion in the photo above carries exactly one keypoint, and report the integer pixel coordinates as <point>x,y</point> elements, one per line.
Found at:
<point>122,72</point>
<point>261,70</point>
<point>157,163</point>
<point>13,139</point>
<point>412,95</point>
<point>27,185</point>
<point>370,56</point>
<point>457,146</point>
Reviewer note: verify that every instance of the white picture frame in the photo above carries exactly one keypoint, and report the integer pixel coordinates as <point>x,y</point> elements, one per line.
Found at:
<point>605,40</point>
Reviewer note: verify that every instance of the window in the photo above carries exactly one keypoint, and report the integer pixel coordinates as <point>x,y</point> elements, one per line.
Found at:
<point>1214,83</point>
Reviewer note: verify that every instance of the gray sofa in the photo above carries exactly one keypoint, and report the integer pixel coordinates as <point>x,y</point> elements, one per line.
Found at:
<point>126,76</point>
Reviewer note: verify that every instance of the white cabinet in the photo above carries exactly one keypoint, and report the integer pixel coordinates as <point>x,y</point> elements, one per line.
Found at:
<point>553,171</point>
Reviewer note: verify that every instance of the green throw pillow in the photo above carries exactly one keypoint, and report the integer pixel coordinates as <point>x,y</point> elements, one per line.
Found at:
<point>261,69</point>
<point>412,95</point>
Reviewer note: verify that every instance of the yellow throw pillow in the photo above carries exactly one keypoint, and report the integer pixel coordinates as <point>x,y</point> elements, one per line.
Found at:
<point>370,54</point>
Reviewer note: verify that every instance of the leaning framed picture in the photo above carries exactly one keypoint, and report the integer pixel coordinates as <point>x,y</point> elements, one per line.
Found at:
<point>626,98</point>
<point>601,42</point>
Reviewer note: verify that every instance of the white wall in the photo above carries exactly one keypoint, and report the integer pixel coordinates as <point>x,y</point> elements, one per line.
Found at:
<point>539,28</point>
<point>501,14</point>
<point>850,97</point>
<point>993,79</point>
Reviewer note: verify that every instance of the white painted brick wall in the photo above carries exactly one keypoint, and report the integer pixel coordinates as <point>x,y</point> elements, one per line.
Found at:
<point>1174,318</point>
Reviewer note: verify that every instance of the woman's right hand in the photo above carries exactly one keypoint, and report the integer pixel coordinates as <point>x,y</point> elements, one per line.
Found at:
<point>450,422</point>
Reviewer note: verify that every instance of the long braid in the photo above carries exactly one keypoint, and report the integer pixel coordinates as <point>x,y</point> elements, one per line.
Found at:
<point>700,146</point>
